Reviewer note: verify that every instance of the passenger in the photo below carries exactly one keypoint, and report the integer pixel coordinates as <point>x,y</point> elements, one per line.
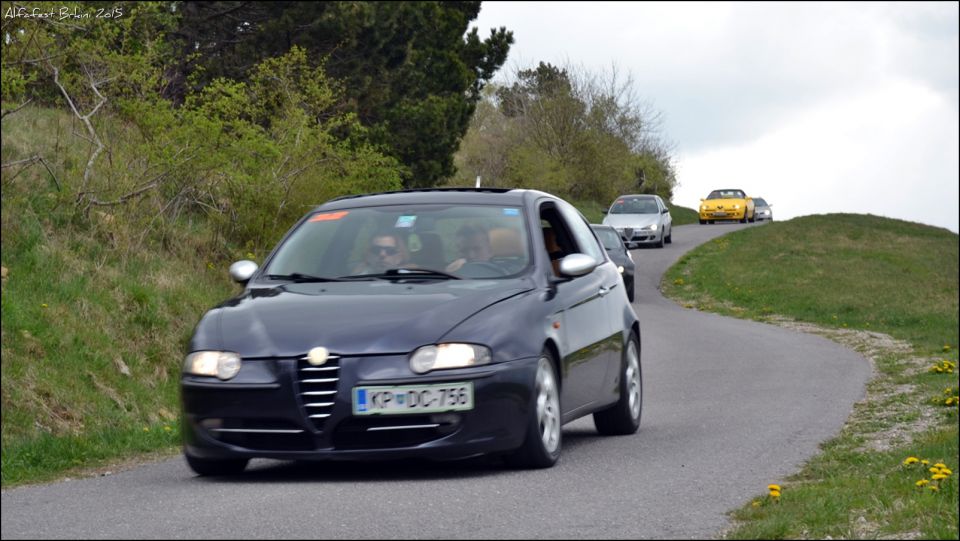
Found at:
<point>473,244</point>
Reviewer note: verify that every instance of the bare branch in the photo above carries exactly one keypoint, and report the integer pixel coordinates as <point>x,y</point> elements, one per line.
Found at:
<point>27,163</point>
<point>11,111</point>
<point>86,121</point>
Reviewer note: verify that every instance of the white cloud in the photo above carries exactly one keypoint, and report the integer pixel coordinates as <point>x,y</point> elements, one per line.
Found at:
<point>843,98</point>
<point>890,151</point>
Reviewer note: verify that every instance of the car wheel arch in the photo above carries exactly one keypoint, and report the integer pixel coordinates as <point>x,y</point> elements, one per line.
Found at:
<point>551,347</point>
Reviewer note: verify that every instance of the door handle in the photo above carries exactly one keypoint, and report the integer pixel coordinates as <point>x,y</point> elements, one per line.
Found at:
<point>604,291</point>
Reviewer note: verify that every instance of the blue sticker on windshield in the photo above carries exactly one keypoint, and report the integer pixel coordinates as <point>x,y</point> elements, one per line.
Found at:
<point>406,221</point>
<point>511,212</point>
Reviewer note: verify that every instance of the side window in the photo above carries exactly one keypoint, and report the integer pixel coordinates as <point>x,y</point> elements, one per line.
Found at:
<point>582,234</point>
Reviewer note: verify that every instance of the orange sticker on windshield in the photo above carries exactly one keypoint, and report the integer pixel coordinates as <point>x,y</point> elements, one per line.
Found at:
<point>329,216</point>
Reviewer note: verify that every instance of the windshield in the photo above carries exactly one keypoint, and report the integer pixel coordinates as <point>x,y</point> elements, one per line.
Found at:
<point>634,205</point>
<point>459,241</point>
<point>609,238</point>
<point>758,201</point>
<point>726,194</point>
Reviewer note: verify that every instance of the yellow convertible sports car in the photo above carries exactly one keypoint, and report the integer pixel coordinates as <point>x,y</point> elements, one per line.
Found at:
<point>727,205</point>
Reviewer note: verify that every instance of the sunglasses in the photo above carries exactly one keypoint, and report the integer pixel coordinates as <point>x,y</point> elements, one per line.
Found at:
<point>389,250</point>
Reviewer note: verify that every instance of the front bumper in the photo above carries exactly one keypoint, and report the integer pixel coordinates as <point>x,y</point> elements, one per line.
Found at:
<point>279,419</point>
<point>637,237</point>
<point>733,214</point>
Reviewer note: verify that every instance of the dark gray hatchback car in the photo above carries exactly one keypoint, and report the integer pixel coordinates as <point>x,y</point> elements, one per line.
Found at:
<point>434,323</point>
<point>618,252</point>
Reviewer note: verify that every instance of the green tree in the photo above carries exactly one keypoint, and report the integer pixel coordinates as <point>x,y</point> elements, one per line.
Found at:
<point>411,72</point>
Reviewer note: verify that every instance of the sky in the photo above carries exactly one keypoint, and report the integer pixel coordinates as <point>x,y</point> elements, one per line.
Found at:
<point>816,107</point>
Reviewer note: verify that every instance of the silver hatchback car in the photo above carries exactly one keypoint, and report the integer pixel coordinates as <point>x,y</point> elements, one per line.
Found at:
<point>641,220</point>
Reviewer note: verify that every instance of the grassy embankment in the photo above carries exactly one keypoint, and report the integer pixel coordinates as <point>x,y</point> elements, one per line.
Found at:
<point>851,278</point>
<point>95,316</point>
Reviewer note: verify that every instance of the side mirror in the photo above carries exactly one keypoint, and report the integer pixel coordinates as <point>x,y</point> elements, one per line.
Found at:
<point>702,199</point>
<point>577,265</point>
<point>242,271</point>
<point>664,211</point>
<point>604,211</point>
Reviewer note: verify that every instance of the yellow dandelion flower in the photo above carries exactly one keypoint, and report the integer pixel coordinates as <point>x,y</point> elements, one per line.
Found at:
<point>939,476</point>
<point>925,462</point>
<point>167,429</point>
<point>773,487</point>
<point>910,460</point>
<point>946,347</point>
<point>934,488</point>
<point>774,493</point>
<point>939,465</point>
<point>946,471</point>
<point>934,470</point>
<point>44,305</point>
<point>755,503</point>
<point>145,429</point>
<point>922,482</point>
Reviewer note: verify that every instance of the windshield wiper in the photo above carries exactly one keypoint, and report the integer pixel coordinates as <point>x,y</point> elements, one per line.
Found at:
<point>299,277</point>
<point>403,274</point>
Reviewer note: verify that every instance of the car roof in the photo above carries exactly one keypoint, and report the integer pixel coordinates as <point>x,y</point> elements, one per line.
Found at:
<point>470,196</point>
<point>643,195</point>
<point>601,226</point>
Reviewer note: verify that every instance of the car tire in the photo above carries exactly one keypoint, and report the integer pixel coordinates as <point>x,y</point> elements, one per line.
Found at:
<point>659,243</point>
<point>623,418</point>
<point>669,239</point>
<point>541,446</point>
<point>216,467</point>
<point>703,222</point>
<point>753,218</point>
<point>629,290</point>
<point>744,219</point>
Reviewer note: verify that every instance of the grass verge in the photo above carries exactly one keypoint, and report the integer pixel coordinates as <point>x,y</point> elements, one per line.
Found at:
<point>887,289</point>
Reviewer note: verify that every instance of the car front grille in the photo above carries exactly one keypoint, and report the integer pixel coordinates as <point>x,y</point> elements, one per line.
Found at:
<point>317,388</point>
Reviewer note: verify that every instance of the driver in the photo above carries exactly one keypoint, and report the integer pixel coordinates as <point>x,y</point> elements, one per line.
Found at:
<point>473,244</point>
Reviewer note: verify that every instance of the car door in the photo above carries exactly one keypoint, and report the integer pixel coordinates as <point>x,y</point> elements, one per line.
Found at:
<point>583,305</point>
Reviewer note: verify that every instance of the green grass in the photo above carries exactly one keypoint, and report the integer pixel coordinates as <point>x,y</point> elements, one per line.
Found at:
<point>683,215</point>
<point>839,270</point>
<point>94,322</point>
<point>841,275</point>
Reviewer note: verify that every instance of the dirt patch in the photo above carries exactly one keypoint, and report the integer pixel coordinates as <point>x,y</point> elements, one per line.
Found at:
<point>891,413</point>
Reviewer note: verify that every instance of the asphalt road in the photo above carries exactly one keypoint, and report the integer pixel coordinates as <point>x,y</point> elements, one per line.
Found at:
<point>729,407</point>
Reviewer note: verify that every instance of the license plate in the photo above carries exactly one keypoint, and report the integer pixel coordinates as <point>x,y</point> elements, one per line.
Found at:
<point>719,213</point>
<point>413,398</point>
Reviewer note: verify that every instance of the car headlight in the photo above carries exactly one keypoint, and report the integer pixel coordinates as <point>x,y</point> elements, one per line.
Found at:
<point>736,207</point>
<point>620,268</point>
<point>222,364</point>
<point>443,356</point>
<point>650,227</point>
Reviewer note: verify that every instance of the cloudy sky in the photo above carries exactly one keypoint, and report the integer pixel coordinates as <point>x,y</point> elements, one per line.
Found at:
<point>817,107</point>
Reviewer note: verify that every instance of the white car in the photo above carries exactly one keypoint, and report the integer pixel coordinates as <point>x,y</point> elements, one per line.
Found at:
<point>640,220</point>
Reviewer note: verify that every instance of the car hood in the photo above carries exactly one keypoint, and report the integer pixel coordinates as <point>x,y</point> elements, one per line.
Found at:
<point>635,221</point>
<point>348,318</point>
<point>726,203</point>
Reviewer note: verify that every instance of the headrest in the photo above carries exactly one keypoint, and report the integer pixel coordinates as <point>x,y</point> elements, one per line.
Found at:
<point>505,242</point>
